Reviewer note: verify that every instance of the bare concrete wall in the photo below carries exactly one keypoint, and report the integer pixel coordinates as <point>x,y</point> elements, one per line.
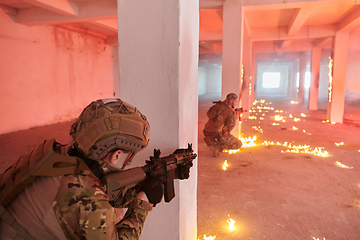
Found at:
<point>48,74</point>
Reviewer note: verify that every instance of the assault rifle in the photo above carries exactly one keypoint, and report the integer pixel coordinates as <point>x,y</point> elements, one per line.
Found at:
<point>174,166</point>
<point>239,111</point>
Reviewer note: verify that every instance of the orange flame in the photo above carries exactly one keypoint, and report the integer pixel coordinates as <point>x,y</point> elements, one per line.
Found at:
<point>231,224</point>
<point>342,165</point>
<point>225,165</point>
<point>207,237</point>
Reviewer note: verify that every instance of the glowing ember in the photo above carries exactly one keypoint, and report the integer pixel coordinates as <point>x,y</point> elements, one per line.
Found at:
<point>342,165</point>
<point>294,128</point>
<point>225,165</point>
<point>258,129</point>
<point>261,118</point>
<point>207,237</point>
<point>294,102</point>
<point>231,224</point>
<point>303,115</point>
<point>296,119</point>
<point>278,118</point>
<point>339,144</point>
<point>318,238</point>
<point>274,124</point>
<point>333,122</point>
<point>290,116</point>
<point>252,117</point>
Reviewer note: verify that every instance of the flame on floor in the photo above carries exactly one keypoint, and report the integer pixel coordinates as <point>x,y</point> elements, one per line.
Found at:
<point>231,224</point>
<point>225,165</point>
<point>339,144</point>
<point>342,165</point>
<point>207,237</point>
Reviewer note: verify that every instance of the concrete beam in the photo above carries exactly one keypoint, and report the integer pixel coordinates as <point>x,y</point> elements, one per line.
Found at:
<point>88,11</point>
<point>210,35</point>
<point>109,24</point>
<point>64,7</point>
<point>294,46</point>
<point>8,10</point>
<point>317,42</point>
<point>350,21</point>
<point>250,5</point>
<point>281,33</point>
<point>206,4</point>
<point>298,19</point>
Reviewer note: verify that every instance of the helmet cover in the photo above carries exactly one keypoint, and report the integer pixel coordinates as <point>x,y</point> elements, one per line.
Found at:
<point>107,125</point>
<point>231,96</point>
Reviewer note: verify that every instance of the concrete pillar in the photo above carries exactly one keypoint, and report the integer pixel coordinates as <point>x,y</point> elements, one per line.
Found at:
<point>247,76</point>
<point>294,87</point>
<point>340,57</point>
<point>315,77</point>
<point>253,79</point>
<point>302,71</point>
<point>232,50</point>
<point>158,61</point>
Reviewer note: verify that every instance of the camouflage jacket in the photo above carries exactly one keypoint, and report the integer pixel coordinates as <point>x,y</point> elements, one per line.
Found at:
<point>84,212</point>
<point>221,118</point>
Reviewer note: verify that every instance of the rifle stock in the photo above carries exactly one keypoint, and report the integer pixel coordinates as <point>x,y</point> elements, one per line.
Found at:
<point>173,166</point>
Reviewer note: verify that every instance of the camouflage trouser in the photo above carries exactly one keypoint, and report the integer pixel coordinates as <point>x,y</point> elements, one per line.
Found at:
<point>222,140</point>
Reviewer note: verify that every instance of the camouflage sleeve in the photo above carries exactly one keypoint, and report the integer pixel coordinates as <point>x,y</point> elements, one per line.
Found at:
<point>230,120</point>
<point>84,212</point>
<point>132,225</point>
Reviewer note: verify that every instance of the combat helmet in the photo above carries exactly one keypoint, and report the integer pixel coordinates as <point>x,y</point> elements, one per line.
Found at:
<point>231,96</point>
<point>107,125</point>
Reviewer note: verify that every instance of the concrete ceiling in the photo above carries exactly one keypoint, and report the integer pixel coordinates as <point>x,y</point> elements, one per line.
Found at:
<point>273,25</point>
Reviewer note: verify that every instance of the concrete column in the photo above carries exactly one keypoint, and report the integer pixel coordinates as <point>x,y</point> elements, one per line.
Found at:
<point>158,61</point>
<point>247,62</point>
<point>294,87</point>
<point>253,79</point>
<point>302,71</point>
<point>340,57</point>
<point>315,77</point>
<point>232,50</point>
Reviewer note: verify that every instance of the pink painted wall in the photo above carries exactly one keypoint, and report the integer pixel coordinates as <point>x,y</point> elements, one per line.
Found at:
<point>48,74</point>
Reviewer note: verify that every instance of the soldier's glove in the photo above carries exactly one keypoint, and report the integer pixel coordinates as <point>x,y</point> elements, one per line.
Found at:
<point>183,171</point>
<point>153,189</point>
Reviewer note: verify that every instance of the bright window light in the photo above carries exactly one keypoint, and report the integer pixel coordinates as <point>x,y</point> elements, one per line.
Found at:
<point>271,80</point>
<point>307,79</point>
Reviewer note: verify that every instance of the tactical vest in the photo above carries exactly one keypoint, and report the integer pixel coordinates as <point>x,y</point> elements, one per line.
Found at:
<point>44,160</point>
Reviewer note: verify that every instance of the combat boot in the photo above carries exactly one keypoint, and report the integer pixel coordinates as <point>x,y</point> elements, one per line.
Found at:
<point>214,150</point>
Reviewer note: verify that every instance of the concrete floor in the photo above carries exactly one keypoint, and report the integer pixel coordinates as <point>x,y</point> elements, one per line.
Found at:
<point>271,194</point>
<point>274,194</point>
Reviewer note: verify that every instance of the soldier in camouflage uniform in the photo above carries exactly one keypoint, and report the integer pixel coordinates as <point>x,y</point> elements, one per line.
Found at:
<point>222,119</point>
<point>106,136</point>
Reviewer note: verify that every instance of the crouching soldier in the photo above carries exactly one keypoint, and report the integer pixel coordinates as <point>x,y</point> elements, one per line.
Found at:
<point>222,118</point>
<point>55,192</point>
